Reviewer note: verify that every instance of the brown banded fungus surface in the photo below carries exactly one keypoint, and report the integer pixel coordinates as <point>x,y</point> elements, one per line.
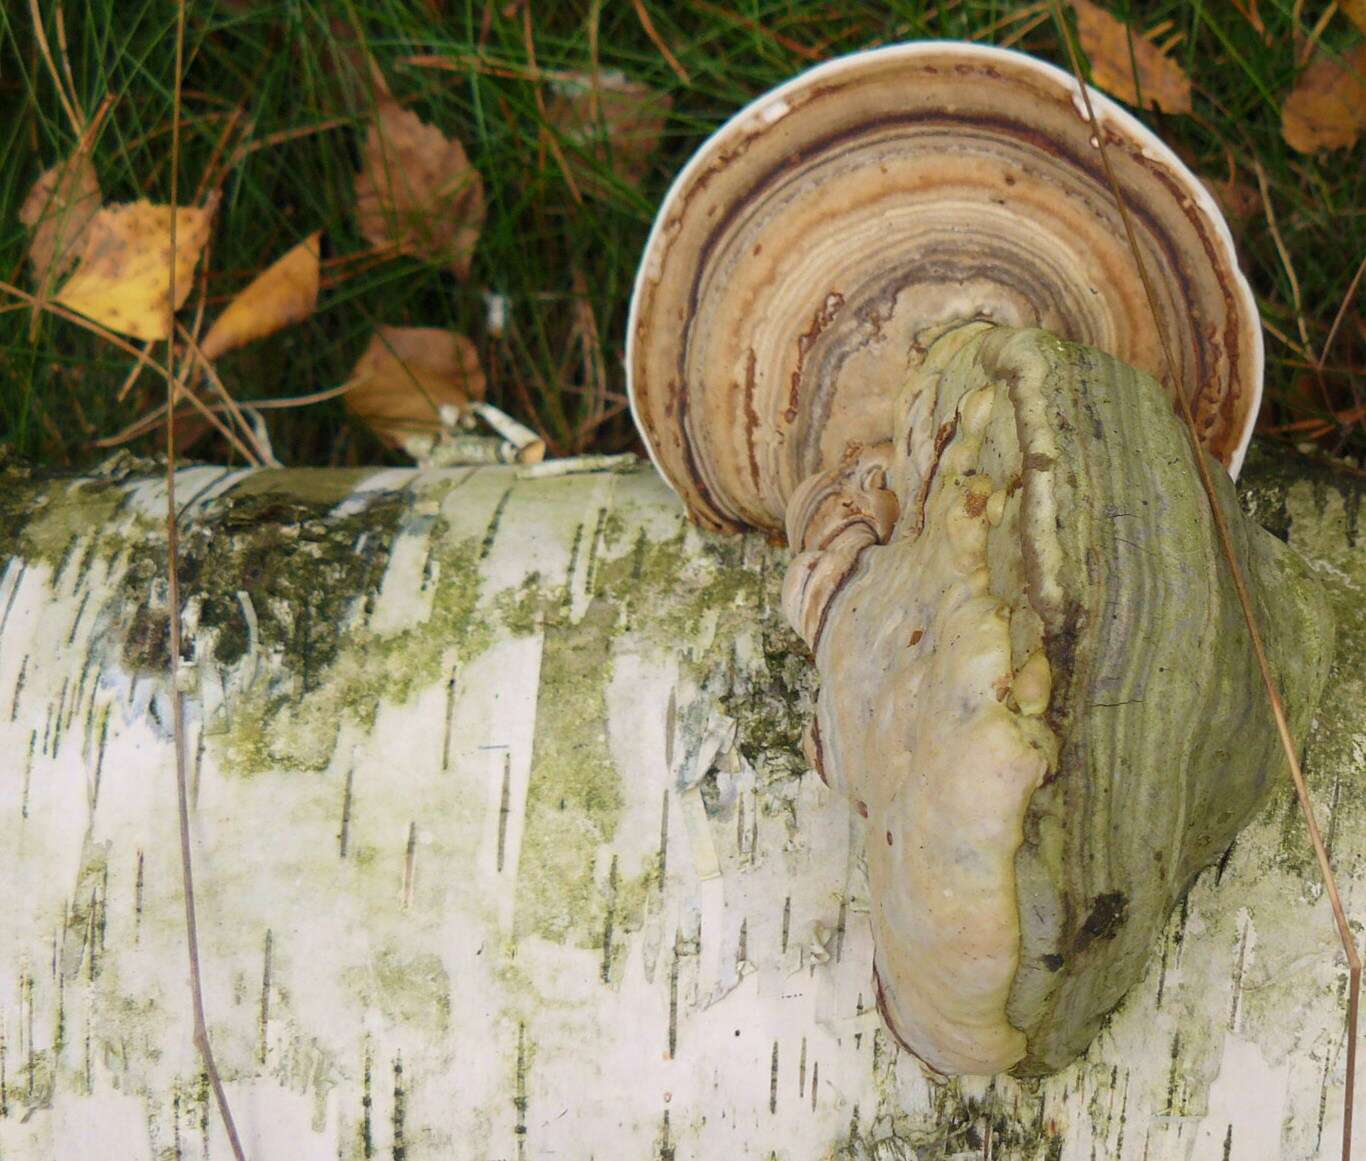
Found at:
<point>889,309</point>
<point>819,231</point>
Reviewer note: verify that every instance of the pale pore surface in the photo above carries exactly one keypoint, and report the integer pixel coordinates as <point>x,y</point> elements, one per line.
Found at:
<point>930,656</point>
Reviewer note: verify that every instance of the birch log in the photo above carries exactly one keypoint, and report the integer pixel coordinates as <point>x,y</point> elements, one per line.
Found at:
<point>506,849</point>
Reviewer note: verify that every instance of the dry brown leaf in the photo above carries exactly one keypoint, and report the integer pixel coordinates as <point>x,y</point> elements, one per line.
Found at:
<point>417,191</point>
<point>1327,107</point>
<point>407,374</point>
<point>283,294</point>
<point>59,209</point>
<point>614,125</point>
<point>1161,82</point>
<point>123,280</point>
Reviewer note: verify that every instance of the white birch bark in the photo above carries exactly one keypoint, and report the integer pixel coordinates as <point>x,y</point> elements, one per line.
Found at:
<point>505,851</point>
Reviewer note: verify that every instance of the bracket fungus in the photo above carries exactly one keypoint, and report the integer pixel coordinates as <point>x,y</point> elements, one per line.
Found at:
<point>889,310</point>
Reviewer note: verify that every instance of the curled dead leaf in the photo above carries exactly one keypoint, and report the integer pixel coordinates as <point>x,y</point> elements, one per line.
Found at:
<point>610,123</point>
<point>1147,78</point>
<point>416,191</point>
<point>123,280</point>
<point>58,210</point>
<point>1327,107</point>
<point>405,377</point>
<point>283,294</point>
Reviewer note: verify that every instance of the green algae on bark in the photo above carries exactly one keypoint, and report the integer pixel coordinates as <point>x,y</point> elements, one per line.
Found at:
<point>574,798</point>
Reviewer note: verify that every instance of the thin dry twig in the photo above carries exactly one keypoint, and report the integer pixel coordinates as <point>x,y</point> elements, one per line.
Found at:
<point>201,1028</point>
<point>198,361</point>
<point>1282,251</point>
<point>1312,40</point>
<point>643,15</point>
<point>153,418</point>
<point>1342,314</point>
<point>70,104</point>
<point>1244,599</point>
<point>796,47</point>
<point>1347,299</point>
<point>547,134</point>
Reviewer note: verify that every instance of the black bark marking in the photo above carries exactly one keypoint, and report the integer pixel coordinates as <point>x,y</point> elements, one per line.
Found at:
<point>367,1144</point>
<point>591,564</point>
<point>666,1147</point>
<point>664,838</point>
<point>450,713</point>
<point>491,532</point>
<point>409,865</point>
<point>14,593</point>
<point>99,760</point>
<point>344,834</point>
<point>1172,1075</point>
<point>610,921</point>
<point>137,901</point>
<point>76,621</point>
<point>18,688</point>
<point>265,999</point>
<point>400,1101</point>
<point>787,921</point>
<point>28,773</point>
<point>673,996</point>
<point>504,809</point>
<point>773,1081</point>
<point>59,1023</point>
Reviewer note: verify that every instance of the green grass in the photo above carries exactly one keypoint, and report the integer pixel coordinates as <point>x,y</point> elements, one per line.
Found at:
<point>284,68</point>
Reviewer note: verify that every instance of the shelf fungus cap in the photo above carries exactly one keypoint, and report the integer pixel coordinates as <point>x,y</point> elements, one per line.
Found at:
<point>815,236</point>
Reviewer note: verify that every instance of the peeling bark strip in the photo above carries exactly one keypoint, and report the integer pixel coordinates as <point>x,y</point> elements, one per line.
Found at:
<point>589,995</point>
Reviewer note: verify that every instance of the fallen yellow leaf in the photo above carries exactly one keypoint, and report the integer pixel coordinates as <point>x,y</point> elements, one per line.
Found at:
<point>610,123</point>
<point>59,209</point>
<point>124,277</point>
<point>417,191</point>
<point>407,374</point>
<point>283,294</point>
<point>1356,12</point>
<point>1327,107</point>
<point>1160,81</point>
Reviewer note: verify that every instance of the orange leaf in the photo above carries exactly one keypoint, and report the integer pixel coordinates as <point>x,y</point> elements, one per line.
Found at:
<point>123,280</point>
<point>1160,81</point>
<point>59,209</point>
<point>417,191</point>
<point>283,294</point>
<point>613,124</point>
<point>407,374</point>
<point>1327,107</point>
